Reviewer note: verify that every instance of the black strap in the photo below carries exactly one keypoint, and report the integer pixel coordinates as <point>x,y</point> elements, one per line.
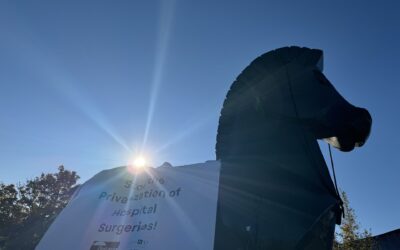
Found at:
<point>334,178</point>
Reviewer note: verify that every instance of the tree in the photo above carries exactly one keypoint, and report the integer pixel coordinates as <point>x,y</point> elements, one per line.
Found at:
<point>26,211</point>
<point>10,210</point>
<point>349,237</point>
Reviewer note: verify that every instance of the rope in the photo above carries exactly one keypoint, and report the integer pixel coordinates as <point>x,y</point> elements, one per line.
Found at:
<point>333,168</point>
<point>334,179</point>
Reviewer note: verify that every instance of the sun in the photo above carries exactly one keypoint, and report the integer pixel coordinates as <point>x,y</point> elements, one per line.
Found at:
<point>139,162</point>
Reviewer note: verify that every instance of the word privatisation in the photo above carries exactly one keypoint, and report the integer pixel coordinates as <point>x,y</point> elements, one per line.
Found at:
<point>153,193</point>
<point>127,228</point>
<point>135,211</point>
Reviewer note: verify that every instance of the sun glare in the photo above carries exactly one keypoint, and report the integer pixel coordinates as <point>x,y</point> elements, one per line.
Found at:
<point>139,162</point>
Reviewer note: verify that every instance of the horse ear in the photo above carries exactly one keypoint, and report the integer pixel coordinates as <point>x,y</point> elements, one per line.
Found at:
<point>310,58</point>
<point>314,58</point>
<point>320,63</point>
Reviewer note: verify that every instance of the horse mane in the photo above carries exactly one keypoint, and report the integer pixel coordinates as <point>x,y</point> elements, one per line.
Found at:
<point>244,99</point>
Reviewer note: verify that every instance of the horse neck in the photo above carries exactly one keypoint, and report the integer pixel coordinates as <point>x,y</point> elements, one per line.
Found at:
<point>273,145</point>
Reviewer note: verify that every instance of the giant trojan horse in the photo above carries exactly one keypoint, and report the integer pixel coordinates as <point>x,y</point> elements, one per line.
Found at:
<point>275,190</point>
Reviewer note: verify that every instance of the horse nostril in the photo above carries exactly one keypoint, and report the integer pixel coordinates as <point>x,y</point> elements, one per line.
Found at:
<point>362,126</point>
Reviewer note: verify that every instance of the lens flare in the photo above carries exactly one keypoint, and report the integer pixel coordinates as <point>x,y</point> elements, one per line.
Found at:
<point>139,162</point>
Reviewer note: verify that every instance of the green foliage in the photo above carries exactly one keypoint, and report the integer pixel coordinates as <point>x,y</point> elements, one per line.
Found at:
<point>350,237</point>
<point>26,211</point>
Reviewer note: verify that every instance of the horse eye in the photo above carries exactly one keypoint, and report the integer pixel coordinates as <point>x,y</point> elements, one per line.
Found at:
<point>321,78</point>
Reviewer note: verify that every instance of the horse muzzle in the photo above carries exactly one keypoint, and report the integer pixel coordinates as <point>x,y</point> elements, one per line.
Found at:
<point>352,128</point>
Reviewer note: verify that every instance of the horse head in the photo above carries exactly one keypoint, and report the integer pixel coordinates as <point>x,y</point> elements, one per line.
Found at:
<point>288,84</point>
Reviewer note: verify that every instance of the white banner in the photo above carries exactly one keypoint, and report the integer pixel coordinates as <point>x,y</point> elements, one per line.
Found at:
<point>158,208</point>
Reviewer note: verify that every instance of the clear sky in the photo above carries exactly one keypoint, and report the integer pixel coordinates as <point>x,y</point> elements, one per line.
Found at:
<point>88,84</point>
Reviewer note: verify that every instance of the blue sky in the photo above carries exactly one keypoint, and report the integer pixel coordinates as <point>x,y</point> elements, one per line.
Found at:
<point>88,84</point>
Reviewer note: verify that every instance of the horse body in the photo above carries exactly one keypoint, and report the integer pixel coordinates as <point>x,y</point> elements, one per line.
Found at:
<point>275,189</point>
